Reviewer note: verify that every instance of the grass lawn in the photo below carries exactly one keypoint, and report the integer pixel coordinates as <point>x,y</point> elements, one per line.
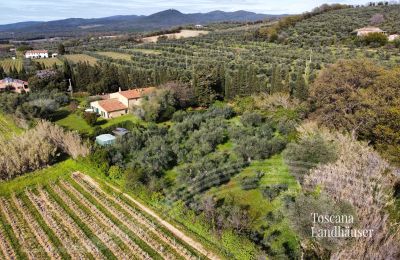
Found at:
<point>73,121</point>
<point>104,123</point>
<point>7,127</point>
<point>115,55</point>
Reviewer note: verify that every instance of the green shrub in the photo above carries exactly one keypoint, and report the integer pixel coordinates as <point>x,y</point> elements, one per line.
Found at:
<point>307,153</point>
<point>251,119</point>
<point>273,191</point>
<point>115,172</point>
<point>90,118</point>
<point>375,39</point>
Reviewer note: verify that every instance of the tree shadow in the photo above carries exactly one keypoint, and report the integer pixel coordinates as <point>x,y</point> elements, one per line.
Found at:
<point>100,122</point>
<point>58,115</point>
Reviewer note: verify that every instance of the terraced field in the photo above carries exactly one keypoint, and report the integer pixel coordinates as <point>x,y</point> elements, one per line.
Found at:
<point>48,63</point>
<point>77,218</point>
<point>8,64</point>
<point>75,58</point>
<point>115,55</point>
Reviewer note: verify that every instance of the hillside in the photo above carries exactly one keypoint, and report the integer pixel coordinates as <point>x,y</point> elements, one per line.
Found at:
<point>160,20</point>
<point>331,27</point>
<point>77,217</point>
<point>248,130</point>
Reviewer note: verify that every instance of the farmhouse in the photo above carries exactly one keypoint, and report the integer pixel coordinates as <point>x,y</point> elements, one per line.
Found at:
<point>367,30</point>
<point>37,54</point>
<point>118,103</point>
<point>14,85</point>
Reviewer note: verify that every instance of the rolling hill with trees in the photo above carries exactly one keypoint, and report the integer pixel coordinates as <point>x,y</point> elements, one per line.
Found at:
<point>252,128</point>
<point>126,23</point>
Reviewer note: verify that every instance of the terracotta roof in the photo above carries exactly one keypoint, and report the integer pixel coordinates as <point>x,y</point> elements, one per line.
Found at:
<point>37,51</point>
<point>111,105</point>
<point>136,93</point>
<point>11,80</point>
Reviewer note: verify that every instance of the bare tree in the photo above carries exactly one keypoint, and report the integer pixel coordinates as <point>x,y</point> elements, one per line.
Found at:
<point>377,19</point>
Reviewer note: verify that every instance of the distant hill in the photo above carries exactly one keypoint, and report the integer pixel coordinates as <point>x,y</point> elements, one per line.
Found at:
<point>160,20</point>
<point>335,26</point>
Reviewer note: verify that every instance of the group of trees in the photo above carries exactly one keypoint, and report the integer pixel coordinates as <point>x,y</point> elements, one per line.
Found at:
<point>36,148</point>
<point>33,105</point>
<point>189,147</point>
<point>362,98</point>
<point>271,33</point>
<point>333,181</point>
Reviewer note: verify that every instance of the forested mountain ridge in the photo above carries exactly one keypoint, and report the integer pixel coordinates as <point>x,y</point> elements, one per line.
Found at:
<point>123,23</point>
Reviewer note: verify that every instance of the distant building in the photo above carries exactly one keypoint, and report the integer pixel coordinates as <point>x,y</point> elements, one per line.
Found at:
<point>198,26</point>
<point>105,139</point>
<point>118,103</point>
<point>393,37</point>
<point>54,55</point>
<point>37,54</point>
<point>46,74</point>
<point>14,85</point>
<point>367,30</point>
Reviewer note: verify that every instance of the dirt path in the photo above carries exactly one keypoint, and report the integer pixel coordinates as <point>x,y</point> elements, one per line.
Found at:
<point>196,245</point>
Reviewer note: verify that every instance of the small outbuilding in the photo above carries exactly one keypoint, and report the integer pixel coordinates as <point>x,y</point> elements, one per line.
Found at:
<point>105,139</point>
<point>119,131</point>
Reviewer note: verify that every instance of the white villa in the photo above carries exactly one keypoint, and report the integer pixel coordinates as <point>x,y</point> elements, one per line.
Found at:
<point>367,30</point>
<point>118,103</point>
<point>37,54</point>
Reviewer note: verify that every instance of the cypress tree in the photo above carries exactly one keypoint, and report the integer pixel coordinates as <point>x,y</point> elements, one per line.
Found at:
<point>301,89</point>
<point>277,84</point>
<point>2,73</point>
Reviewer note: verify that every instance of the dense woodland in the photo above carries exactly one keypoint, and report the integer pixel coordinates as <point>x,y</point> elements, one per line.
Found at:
<point>303,91</point>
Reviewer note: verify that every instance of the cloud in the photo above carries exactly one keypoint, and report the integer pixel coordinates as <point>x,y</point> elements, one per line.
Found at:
<point>45,10</point>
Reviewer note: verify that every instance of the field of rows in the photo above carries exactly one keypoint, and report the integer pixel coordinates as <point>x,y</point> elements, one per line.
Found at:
<point>48,63</point>
<point>75,58</point>
<point>77,219</point>
<point>115,55</point>
<point>8,64</point>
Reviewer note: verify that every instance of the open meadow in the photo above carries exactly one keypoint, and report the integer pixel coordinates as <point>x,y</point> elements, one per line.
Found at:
<point>182,34</point>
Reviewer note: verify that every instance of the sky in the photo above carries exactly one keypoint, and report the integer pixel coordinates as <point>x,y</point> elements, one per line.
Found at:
<point>12,11</point>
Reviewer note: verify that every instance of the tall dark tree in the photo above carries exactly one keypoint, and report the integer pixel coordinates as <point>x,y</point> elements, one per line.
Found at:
<point>61,49</point>
<point>301,89</point>
<point>277,81</point>
<point>2,72</point>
